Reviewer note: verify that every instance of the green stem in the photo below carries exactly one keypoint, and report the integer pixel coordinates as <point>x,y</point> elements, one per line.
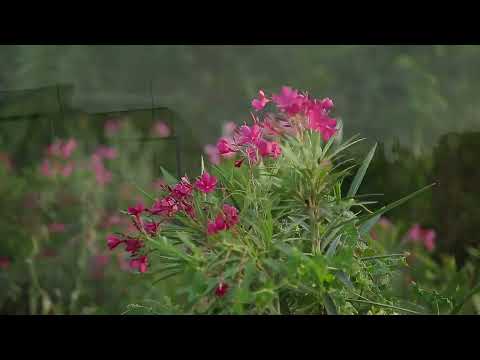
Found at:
<point>33,272</point>
<point>383,305</point>
<point>381,257</point>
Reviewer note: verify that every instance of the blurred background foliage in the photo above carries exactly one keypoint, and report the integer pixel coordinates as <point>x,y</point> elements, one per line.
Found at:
<point>415,93</point>
<point>420,102</point>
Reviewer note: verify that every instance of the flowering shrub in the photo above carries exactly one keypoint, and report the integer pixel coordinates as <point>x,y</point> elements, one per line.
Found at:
<point>267,230</point>
<point>52,258</point>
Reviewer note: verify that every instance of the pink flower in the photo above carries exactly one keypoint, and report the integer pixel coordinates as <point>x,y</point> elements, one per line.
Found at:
<point>224,220</point>
<point>113,241</point>
<point>259,104</point>
<point>4,262</point>
<point>231,215</point>
<point>56,228</point>
<point>166,206</point>
<point>250,135</point>
<point>136,210</point>
<point>214,227</point>
<point>276,150</point>
<point>67,169</point>
<point>55,149</point>
<point>229,129</point>
<point>225,147</point>
<point>46,169</point>
<point>206,183</point>
<point>106,152</point>
<point>133,245</point>
<point>182,189</point>
<point>222,289</point>
<point>269,148</point>
<point>161,129</point>
<point>211,228</point>
<point>140,264</point>
<point>63,149</point>
<point>327,104</point>
<point>68,148</point>
<point>102,175</point>
<point>212,153</point>
<point>151,227</point>
<point>264,147</point>
<point>321,122</point>
<point>112,127</point>
<point>189,209</point>
<point>289,101</point>
<point>270,127</point>
<point>415,233</point>
<point>429,240</point>
<point>425,236</point>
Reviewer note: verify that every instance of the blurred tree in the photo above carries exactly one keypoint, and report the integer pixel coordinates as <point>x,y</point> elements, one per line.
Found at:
<point>456,203</point>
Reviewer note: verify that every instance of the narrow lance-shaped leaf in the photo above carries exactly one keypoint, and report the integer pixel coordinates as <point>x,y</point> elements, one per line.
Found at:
<point>357,181</point>
<point>333,246</point>
<point>329,305</point>
<point>380,211</point>
<point>169,178</point>
<point>393,205</point>
<point>368,225</point>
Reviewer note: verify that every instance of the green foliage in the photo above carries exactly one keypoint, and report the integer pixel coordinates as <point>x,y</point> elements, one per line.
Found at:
<point>432,283</point>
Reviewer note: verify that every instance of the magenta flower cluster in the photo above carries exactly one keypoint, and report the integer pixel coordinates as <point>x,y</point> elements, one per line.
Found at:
<point>57,160</point>
<point>426,237</point>
<point>97,163</point>
<point>179,199</point>
<point>295,112</point>
<point>226,219</point>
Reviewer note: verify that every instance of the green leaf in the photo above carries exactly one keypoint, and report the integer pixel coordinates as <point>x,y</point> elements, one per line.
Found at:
<point>166,276</point>
<point>329,305</point>
<point>352,141</point>
<point>333,246</point>
<point>344,278</point>
<point>357,181</point>
<point>393,205</point>
<point>169,178</point>
<point>368,225</point>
